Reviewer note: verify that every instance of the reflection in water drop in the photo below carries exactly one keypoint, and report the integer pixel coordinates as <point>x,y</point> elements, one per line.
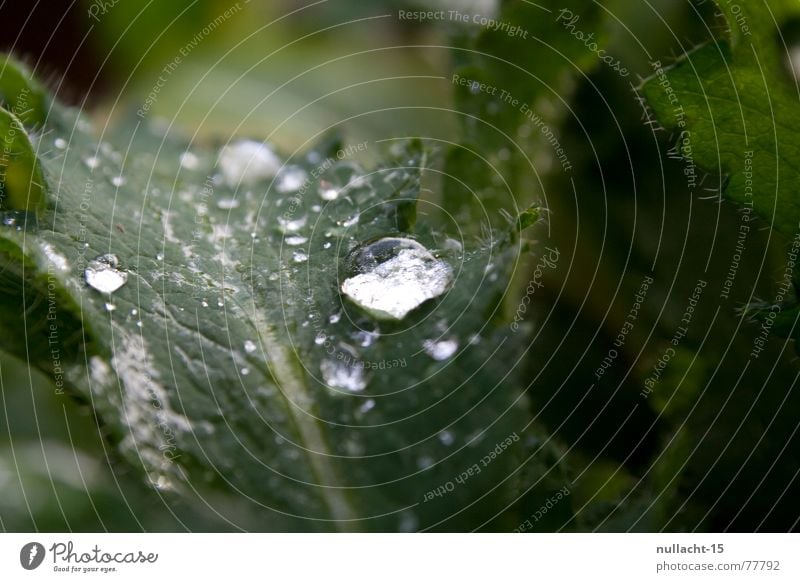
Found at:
<point>394,276</point>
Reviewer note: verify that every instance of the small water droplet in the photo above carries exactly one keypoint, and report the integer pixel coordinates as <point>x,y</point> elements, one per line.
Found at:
<point>245,371</point>
<point>19,219</point>
<point>408,522</point>
<point>327,245</point>
<point>327,191</point>
<point>446,438</point>
<point>227,203</point>
<point>159,257</point>
<point>103,274</point>
<point>425,463</point>
<point>394,276</point>
<point>441,350</point>
<point>299,256</point>
<point>296,240</point>
<point>290,224</point>
<point>134,311</point>
<point>338,374</point>
<point>60,143</point>
<point>366,338</point>
<point>92,162</point>
<point>352,221</point>
<point>320,339</point>
<point>368,405</point>
<point>335,318</point>
<point>291,179</point>
<point>248,162</point>
<point>189,161</point>
<point>110,307</point>
<point>204,303</point>
<point>249,346</point>
<point>118,181</point>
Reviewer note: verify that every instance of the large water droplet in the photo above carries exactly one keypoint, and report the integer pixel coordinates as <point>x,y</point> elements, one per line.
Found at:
<point>340,375</point>
<point>104,275</point>
<point>393,276</point>
<point>248,162</point>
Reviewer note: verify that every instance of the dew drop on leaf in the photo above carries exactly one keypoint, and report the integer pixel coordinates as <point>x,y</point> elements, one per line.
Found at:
<point>327,191</point>
<point>103,274</point>
<point>446,438</point>
<point>393,276</point>
<point>189,161</point>
<point>295,240</point>
<point>339,374</point>
<point>366,338</point>
<point>247,162</point>
<point>291,179</point>
<point>441,350</point>
<point>249,346</point>
<point>227,203</point>
<point>19,219</point>
<point>290,224</point>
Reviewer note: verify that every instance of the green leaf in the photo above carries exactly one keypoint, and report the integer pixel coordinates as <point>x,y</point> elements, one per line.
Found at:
<point>733,105</point>
<point>22,186</point>
<point>216,345</point>
<point>21,94</point>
